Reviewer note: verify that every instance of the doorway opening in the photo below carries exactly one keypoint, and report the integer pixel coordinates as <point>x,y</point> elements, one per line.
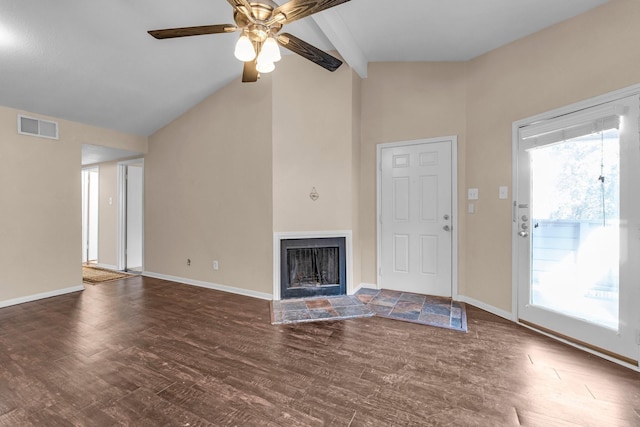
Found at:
<point>90,207</point>
<point>131,215</point>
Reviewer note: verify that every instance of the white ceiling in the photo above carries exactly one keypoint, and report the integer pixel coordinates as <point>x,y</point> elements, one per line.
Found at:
<point>91,61</point>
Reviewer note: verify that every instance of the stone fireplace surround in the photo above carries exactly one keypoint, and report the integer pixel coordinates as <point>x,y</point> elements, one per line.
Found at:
<point>278,236</point>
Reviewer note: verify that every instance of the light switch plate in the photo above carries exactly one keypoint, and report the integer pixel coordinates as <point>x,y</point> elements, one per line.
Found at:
<point>503,192</point>
<point>472,194</point>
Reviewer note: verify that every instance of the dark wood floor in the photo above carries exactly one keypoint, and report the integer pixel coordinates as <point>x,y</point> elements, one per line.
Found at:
<point>142,352</point>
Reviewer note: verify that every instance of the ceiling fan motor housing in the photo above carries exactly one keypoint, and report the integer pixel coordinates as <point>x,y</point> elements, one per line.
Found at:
<point>257,30</point>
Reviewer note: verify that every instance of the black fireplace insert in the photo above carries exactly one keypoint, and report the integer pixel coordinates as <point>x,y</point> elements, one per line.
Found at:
<point>312,267</point>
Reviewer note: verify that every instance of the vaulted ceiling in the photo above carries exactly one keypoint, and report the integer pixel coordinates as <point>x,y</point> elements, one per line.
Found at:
<point>93,62</point>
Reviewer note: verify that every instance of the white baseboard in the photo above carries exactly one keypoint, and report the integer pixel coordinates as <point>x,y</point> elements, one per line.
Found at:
<point>364,286</point>
<point>107,266</point>
<point>208,285</point>
<point>486,307</point>
<point>43,295</point>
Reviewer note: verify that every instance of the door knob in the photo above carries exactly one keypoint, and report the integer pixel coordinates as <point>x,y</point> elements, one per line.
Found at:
<point>523,233</point>
<point>446,228</point>
<point>446,216</point>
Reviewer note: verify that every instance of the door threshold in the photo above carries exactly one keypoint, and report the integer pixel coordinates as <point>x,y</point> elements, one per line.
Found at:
<point>578,343</point>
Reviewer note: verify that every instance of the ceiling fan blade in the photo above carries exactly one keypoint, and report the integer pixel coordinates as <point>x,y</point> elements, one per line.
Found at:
<point>308,51</point>
<point>297,9</point>
<point>171,33</point>
<point>250,73</point>
<point>242,6</point>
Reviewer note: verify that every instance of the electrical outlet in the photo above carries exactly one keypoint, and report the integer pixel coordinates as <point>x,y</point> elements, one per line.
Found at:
<point>215,264</point>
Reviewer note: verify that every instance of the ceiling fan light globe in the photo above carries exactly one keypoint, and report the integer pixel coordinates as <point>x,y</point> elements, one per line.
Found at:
<point>271,51</point>
<point>265,67</point>
<point>244,49</point>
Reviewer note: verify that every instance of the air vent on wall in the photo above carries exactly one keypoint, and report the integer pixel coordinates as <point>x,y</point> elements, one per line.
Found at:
<point>37,127</point>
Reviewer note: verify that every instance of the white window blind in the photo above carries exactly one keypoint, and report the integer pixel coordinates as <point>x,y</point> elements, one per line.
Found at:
<point>572,125</point>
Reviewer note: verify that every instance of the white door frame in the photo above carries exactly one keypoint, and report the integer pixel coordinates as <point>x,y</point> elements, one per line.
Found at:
<point>581,105</point>
<point>453,140</point>
<point>88,202</point>
<point>122,211</point>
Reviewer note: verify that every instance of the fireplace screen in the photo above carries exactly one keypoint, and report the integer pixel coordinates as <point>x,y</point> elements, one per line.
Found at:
<point>312,267</point>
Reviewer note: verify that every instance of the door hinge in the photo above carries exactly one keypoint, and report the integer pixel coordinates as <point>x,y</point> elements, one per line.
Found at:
<point>637,337</point>
<point>380,271</point>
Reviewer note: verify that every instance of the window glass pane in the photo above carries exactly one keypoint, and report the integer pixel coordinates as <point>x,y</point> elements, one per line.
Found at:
<point>575,227</point>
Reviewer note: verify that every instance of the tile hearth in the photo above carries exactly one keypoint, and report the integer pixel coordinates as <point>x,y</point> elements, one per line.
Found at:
<point>417,308</point>
<point>299,310</point>
<point>423,309</point>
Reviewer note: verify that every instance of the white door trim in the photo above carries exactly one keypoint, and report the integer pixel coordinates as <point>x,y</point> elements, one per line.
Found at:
<point>515,138</point>
<point>122,211</point>
<point>454,202</point>
<point>92,168</point>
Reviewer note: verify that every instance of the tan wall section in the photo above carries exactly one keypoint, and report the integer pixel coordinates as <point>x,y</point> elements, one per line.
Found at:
<point>401,102</point>
<point>589,55</point>
<point>208,191</point>
<point>312,142</point>
<point>40,219</point>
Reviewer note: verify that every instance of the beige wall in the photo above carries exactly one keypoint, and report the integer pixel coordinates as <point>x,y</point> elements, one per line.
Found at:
<point>208,192</point>
<point>40,219</point>
<point>589,55</point>
<point>312,147</point>
<point>219,185</point>
<point>316,144</point>
<point>401,102</point>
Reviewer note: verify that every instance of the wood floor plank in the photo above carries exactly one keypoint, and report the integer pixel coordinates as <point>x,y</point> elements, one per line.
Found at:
<point>150,352</point>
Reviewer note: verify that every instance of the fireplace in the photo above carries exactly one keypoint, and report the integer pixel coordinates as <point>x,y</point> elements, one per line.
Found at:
<point>312,267</point>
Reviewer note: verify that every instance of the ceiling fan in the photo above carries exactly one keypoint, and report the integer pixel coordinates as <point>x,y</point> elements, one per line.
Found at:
<point>260,22</point>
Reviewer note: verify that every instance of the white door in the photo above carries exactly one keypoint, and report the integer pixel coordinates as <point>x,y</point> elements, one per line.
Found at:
<point>415,215</point>
<point>577,227</point>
